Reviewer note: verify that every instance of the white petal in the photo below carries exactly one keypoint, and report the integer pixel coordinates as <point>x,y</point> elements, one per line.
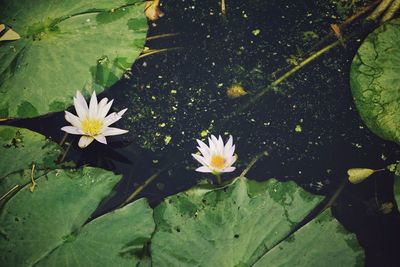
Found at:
<point>72,130</point>
<point>108,131</point>
<point>121,112</point>
<point>84,141</point>
<point>101,139</point>
<point>220,145</point>
<point>200,159</point>
<point>229,169</point>
<point>71,118</point>
<point>203,148</point>
<point>203,169</point>
<point>231,160</point>
<point>93,106</point>
<point>212,144</point>
<point>80,105</point>
<point>100,107</point>
<point>106,109</point>
<point>230,151</point>
<point>205,153</point>
<point>110,119</point>
<point>229,143</point>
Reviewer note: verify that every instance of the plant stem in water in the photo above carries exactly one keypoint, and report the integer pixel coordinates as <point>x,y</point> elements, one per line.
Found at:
<point>252,162</point>
<point>218,178</point>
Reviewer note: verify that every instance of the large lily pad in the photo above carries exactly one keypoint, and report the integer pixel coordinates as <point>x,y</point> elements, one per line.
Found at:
<point>20,148</point>
<point>47,227</point>
<point>375,81</point>
<point>248,223</point>
<point>65,46</point>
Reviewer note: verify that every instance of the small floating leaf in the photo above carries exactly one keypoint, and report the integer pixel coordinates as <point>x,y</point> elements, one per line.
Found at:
<point>357,175</point>
<point>9,34</point>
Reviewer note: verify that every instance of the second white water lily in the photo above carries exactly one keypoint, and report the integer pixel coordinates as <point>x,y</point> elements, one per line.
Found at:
<point>216,158</point>
<point>92,121</point>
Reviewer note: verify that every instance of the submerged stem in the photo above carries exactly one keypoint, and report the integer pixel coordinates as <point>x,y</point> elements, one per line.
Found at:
<point>218,178</point>
<point>252,162</point>
<point>62,141</point>
<point>142,186</point>
<point>65,152</point>
<point>335,195</point>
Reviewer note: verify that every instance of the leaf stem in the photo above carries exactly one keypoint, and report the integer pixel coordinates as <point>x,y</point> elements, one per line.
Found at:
<point>62,141</point>
<point>154,37</point>
<point>252,162</point>
<point>9,192</point>
<point>142,186</point>
<point>65,152</point>
<point>157,51</point>
<point>335,195</point>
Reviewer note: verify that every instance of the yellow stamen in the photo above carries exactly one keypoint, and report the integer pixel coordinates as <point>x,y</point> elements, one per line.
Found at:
<point>217,162</point>
<point>92,126</point>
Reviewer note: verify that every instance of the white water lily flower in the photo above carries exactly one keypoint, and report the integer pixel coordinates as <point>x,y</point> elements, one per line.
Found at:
<point>216,157</point>
<point>92,121</point>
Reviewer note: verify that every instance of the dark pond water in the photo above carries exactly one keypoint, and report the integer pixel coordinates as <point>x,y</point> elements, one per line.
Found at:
<point>180,93</point>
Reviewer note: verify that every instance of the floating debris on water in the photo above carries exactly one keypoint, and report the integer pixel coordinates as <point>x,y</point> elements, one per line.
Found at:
<point>235,91</point>
<point>256,32</point>
<point>204,133</point>
<point>386,207</point>
<point>167,139</point>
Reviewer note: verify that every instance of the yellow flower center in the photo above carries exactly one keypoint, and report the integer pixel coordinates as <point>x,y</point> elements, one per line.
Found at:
<point>217,162</point>
<point>92,127</point>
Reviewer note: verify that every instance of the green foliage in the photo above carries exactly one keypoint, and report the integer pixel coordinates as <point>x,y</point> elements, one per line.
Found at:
<point>243,223</point>
<point>65,46</point>
<point>321,242</point>
<point>19,149</point>
<point>247,223</point>
<point>48,227</point>
<point>375,81</point>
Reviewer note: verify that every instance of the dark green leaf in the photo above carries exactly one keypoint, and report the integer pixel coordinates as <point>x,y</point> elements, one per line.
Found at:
<point>243,224</point>
<point>65,46</point>
<point>47,227</point>
<point>375,81</point>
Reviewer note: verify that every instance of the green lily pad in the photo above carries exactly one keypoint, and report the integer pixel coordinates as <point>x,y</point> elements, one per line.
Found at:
<point>249,223</point>
<point>375,81</point>
<point>396,187</point>
<point>321,242</point>
<point>20,148</point>
<point>65,46</point>
<point>48,227</point>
